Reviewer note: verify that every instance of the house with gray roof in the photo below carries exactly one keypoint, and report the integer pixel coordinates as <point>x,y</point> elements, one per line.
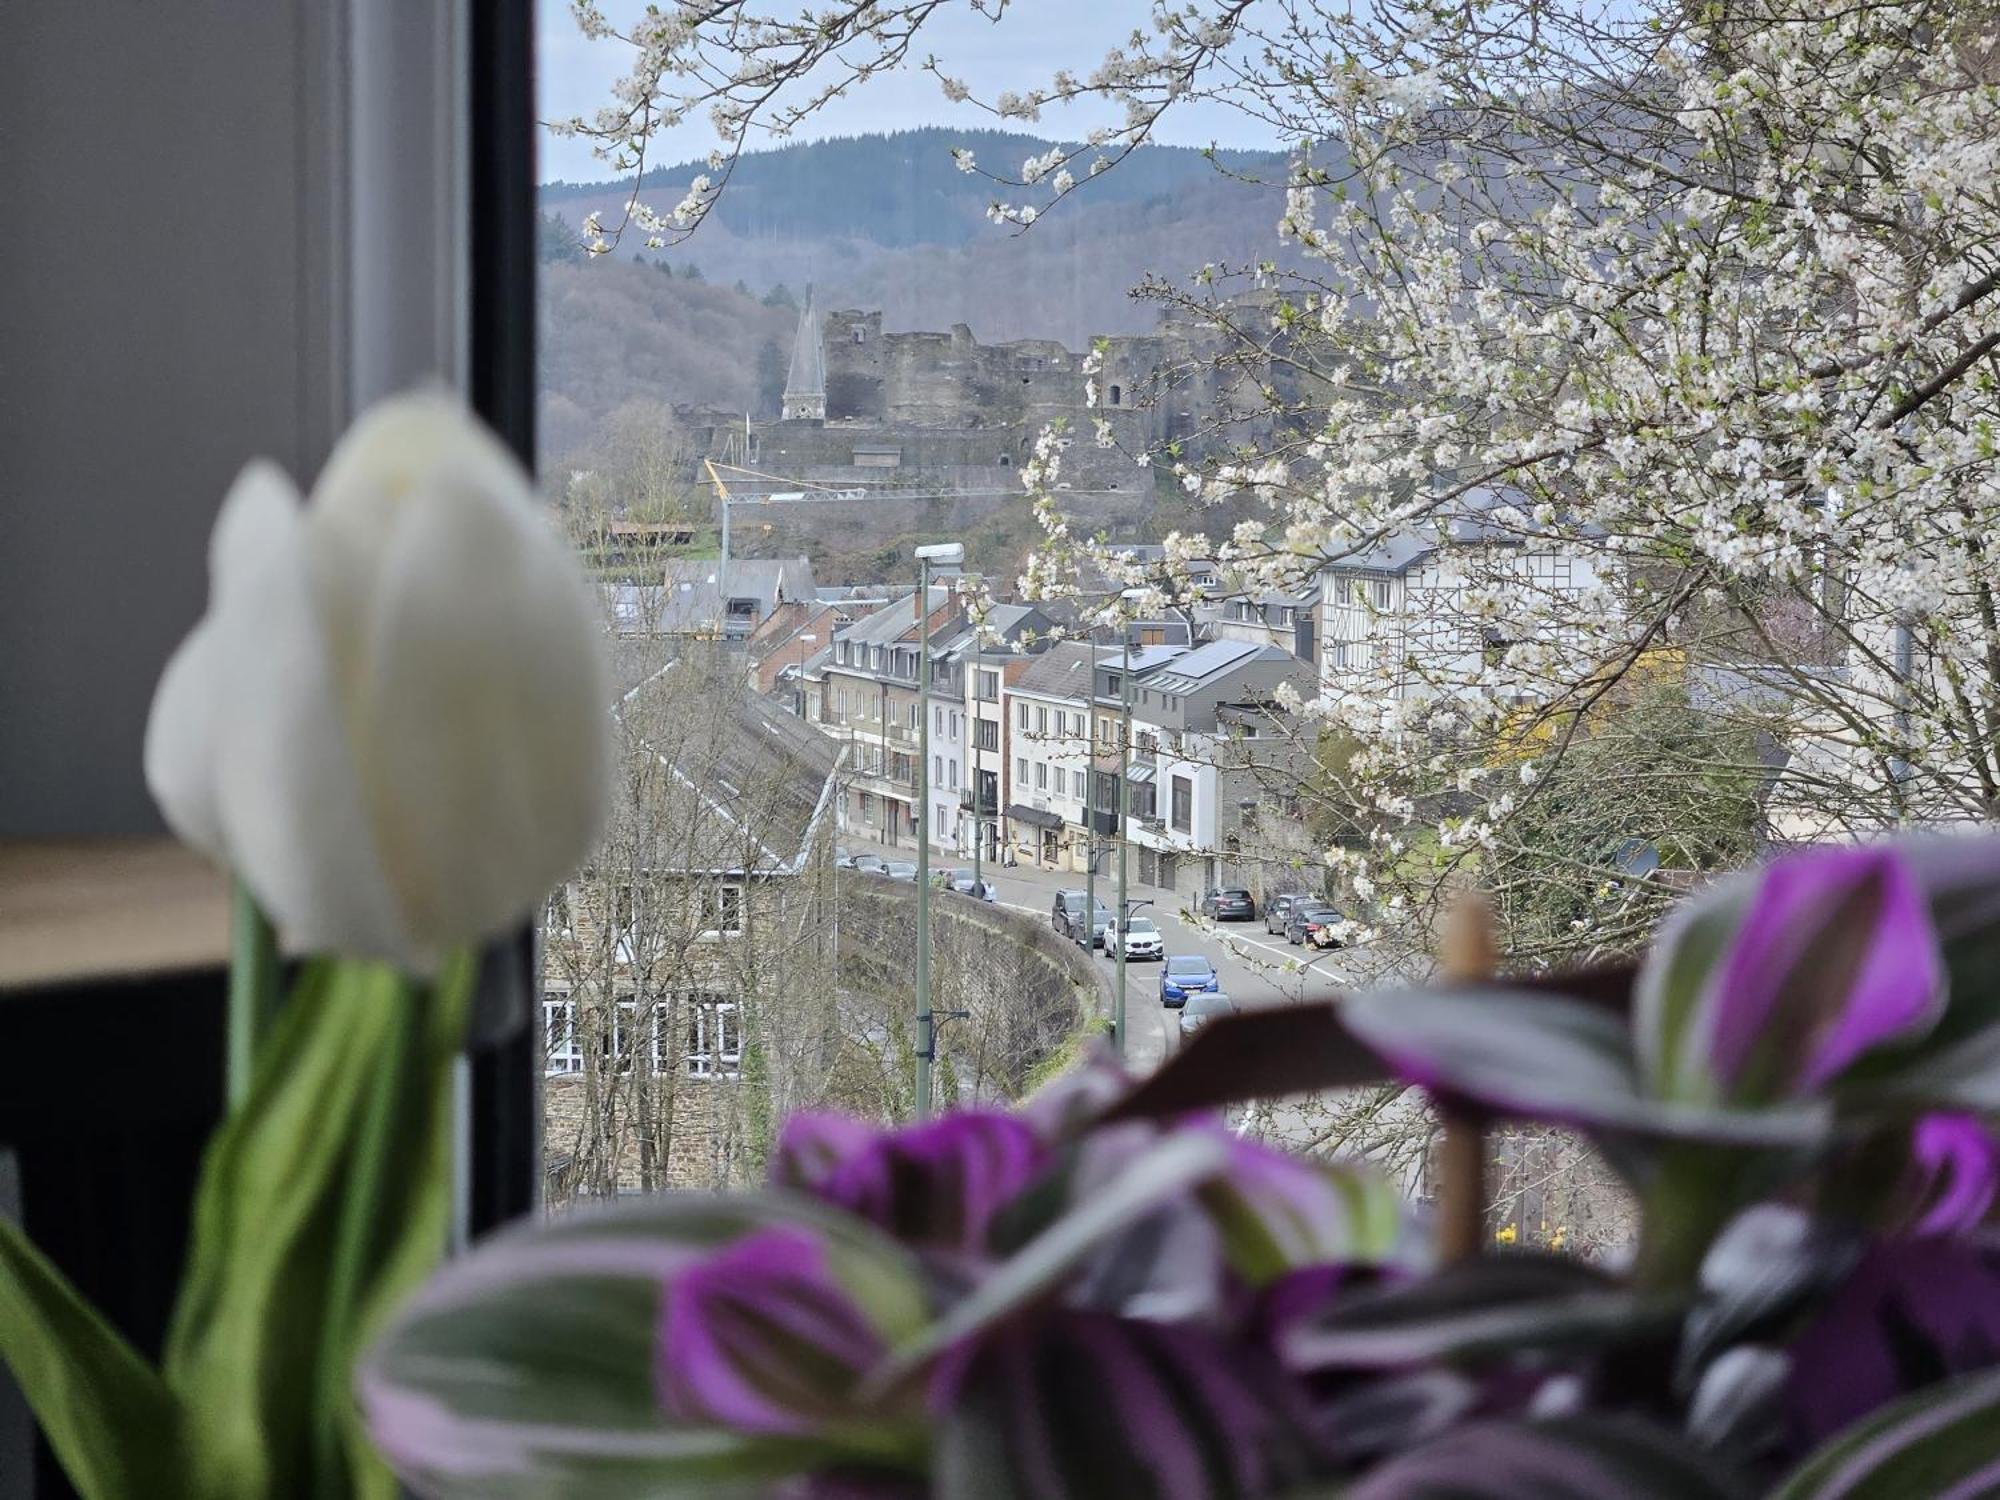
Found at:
<point>1210,747</point>
<point>701,596</point>
<point>1403,618</point>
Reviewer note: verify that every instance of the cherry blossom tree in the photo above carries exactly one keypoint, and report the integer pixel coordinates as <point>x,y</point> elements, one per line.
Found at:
<point>1696,300</point>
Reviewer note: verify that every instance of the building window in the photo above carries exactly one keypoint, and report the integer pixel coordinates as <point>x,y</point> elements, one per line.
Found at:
<point>1041,776</point>
<point>937,719</point>
<point>915,722</point>
<point>1113,684</point>
<point>1183,805</point>
<point>989,686</point>
<point>1020,770</point>
<point>937,770</point>
<point>1116,395</point>
<point>986,734</point>
<point>714,1037</point>
<point>722,911</point>
<point>1336,653</point>
<point>1381,593</point>
<point>868,807</point>
<point>562,1050</point>
<point>1041,720</point>
<point>1022,716</point>
<point>951,772</point>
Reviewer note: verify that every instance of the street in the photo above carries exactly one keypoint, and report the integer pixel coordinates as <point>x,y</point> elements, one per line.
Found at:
<point>1256,968</point>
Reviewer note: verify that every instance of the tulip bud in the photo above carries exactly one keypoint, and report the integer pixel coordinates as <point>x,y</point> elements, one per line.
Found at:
<point>392,721</point>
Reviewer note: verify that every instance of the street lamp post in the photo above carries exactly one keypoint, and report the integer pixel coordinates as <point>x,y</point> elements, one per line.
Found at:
<point>973,722</point>
<point>948,553</point>
<point>1124,812</point>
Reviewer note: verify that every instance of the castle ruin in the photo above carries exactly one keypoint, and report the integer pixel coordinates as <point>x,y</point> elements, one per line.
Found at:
<point>942,413</point>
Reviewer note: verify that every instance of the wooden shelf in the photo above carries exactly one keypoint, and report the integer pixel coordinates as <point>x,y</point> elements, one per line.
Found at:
<point>107,908</point>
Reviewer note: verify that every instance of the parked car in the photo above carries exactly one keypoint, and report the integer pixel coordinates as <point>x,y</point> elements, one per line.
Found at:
<point>1066,916</point>
<point>871,864</point>
<point>842,860</point>
<point>1140,938</point>
<point>962,882</point>
<point>1302,912</point>
<point>1185,974</point>
<point>1228,903</point>
<point>1324,928</point>
<point>1278,909</point>
<point>901,869</point>
<point>1203,1008</point>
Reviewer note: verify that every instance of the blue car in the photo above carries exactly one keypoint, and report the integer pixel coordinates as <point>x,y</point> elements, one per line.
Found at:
<point>1185,974</point>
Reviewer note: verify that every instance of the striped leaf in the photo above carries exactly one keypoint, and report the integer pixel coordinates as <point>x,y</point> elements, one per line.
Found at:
<point>544,1364</point>
<point>1086,1406</point>
<point>1942,1443</point>
<point>1572,1459</point>
<point>1542,1057</point>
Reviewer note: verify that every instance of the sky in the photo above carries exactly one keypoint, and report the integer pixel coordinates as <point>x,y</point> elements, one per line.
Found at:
<point>1035,38</point>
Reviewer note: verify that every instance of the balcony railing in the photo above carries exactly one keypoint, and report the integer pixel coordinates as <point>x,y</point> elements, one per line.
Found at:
<point>1101,820</point>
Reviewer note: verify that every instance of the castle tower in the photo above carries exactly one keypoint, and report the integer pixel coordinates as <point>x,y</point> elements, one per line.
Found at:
<point>805,385</point>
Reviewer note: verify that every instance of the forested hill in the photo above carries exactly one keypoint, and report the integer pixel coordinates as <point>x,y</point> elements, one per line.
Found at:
<point>889,221</point>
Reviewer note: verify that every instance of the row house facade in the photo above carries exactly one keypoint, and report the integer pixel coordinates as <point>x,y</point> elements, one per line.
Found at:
<point>870,700</point>
<point>864,691</point>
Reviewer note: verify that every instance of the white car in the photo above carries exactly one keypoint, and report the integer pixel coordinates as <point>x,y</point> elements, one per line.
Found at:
<point>1141,939</point>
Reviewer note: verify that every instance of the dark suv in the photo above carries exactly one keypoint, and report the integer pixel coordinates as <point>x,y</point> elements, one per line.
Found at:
<point>1278,910</point>
<point>1229,903</point>
<point>1066,916</point>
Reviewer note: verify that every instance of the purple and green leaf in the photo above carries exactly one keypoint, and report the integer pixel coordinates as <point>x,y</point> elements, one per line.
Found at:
<point>1573,1458</point>
<point>536,1366</point>
<point>1775,984</point>
<point>1084,1405</point>
<point>1942,1443</point>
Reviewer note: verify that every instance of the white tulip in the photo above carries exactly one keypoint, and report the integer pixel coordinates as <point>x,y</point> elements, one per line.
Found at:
<point>392,722</point>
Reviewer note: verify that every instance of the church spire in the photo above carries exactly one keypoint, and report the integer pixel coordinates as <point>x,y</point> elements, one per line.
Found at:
<point>805,386</point>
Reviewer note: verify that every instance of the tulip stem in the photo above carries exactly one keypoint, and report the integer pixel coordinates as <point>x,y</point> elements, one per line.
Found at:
<point>366,1227</point>
<point>253,989</point>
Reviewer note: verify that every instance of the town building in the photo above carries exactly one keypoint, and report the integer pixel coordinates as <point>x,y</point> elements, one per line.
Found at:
<point>701,597</point>
<point>680,951</point>
<point>1408,619</point>
<point>1198,783</point>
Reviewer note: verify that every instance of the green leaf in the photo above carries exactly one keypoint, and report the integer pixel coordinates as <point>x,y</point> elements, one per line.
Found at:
<point>322,1197</point>
<point>528,1367</point>
<point>110,1418</point>
<point>1944,1440</point>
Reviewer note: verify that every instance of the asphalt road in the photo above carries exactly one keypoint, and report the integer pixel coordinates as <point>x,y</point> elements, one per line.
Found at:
<point>1256,968</point>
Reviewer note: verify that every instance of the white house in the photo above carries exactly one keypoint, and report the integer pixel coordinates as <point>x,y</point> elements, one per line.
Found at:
<point>1434,609</point>
<point>1197,780</point>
